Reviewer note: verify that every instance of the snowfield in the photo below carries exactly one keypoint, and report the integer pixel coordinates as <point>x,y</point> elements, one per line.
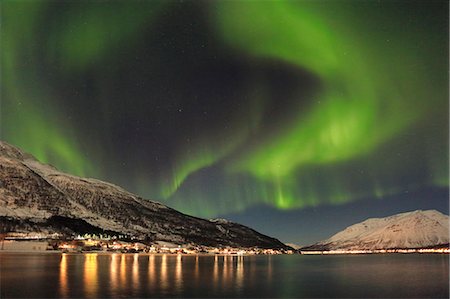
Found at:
<point>417,229</point>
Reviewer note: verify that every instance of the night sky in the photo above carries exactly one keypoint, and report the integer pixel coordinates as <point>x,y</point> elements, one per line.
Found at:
<point>297,118</point>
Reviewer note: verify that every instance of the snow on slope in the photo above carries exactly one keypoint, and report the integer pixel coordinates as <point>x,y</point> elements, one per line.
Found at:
<point>406,230</point>
<point>36,196</point>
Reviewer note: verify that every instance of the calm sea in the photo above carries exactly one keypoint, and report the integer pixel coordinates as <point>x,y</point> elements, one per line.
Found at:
<point>295,276</point>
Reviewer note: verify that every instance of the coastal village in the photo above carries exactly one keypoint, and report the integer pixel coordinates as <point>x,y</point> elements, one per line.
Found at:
<point>26,242</point>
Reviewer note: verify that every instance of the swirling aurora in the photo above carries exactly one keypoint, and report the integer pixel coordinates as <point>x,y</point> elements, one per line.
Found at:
<point>217,107</point>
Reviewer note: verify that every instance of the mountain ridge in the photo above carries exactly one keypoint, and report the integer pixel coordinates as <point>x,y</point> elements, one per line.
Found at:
<point>31,193</point>
<point>407,230</point>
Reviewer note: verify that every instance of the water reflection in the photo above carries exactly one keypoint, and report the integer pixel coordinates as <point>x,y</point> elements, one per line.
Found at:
<point>196,271</point>
<point>239,272</point>
<point>151,272</point>
<point>63,272</point>
<point>216,271</point>
<point>123,269</point>
<point>179,274</point>
<point>269,268</point>
<point>114,272</point>
<point>165,273</point>
<point>126,275</point>
<point>135,272</point>
<point>227,272</point>
<point>164,281</point>
<point>90,275</point>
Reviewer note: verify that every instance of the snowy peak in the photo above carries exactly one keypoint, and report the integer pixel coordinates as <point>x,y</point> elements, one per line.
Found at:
<point>416,229</point>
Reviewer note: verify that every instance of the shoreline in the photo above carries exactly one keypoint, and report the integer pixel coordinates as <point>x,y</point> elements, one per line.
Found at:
<point>128,253</point>
<point>322,253</point>
<point>380,251</point>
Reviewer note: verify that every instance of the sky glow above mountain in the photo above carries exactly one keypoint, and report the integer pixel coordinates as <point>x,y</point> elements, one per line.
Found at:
<point>218,107</point>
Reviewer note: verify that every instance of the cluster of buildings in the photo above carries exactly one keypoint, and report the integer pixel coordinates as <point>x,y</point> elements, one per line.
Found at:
<point>82,244</point>
<point>104,243</point>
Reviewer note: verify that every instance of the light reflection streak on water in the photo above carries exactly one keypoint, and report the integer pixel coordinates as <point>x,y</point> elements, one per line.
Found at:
<point>239,272</point>
<point>196,271</point>
<point>269,269</point>
<point>151,271</point>
<point>164,279</point>
<point>165,273</point>
<point>63,272</point>
<point>114,273</point>
<point>179,274</point>
<point>135,271</point>
<point>225,273</point>
<point>123,270</point>
<point>90,275</point>
<point>216,271</point>
<point>225,267</point>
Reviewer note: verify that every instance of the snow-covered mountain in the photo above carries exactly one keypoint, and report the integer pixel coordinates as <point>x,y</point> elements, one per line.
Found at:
<point>35,196</point>
<point>417,229</point>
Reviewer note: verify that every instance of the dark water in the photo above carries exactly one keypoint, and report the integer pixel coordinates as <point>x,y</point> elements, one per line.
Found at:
<point>295,276</point>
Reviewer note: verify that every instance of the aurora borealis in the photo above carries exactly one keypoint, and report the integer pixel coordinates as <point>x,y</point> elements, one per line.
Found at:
<point>218,107</point>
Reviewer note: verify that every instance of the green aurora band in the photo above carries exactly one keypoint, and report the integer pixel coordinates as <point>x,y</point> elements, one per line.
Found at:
<point>376,125</point>
<point>24,121</point>
<point>367,98</point>
<point>29,117</point>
